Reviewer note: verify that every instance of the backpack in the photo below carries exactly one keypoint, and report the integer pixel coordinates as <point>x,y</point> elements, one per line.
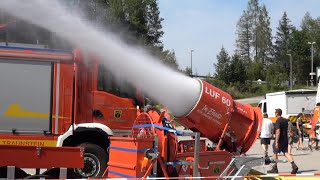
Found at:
<point>291,132</point>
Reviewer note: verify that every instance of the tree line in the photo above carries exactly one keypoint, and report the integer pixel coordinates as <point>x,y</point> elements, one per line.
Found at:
<point>260,55</point>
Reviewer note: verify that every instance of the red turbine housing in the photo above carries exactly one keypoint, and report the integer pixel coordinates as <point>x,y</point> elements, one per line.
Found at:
<point>217,116</point>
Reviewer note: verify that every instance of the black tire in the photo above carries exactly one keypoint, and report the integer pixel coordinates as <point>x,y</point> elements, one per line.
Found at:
<point>95,159</point>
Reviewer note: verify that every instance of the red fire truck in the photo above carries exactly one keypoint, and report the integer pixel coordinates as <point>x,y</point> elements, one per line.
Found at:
<point>54,98</point>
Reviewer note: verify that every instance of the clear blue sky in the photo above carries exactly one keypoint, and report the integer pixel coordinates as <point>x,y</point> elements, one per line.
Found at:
<point>206,25</point>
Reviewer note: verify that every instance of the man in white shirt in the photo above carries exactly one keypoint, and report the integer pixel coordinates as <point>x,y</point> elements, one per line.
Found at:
<point>266,133</point>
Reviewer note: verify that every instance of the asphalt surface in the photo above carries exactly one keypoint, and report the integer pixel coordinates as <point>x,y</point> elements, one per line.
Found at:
<point>251,100</point>
<point>307,161</point>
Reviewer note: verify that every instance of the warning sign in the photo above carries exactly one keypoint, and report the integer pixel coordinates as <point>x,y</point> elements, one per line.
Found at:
<point>117,114</point>
<point>216,169</point>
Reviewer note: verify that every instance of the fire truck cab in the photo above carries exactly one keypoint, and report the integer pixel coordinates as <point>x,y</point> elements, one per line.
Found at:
<point>61,98</point>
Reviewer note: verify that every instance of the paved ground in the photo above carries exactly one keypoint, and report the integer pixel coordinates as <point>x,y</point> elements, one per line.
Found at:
<point>251,100</point>
<point>307,161</point>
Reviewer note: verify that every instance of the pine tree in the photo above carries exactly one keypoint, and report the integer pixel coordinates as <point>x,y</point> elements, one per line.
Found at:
<point>308,23</point>
<point>222,66</point>
<point>281,68</point>
<point>116,14</point>
<point>312,28</point>
<point>253,10</point>
<point>154,24</point>
<point>237,70</point>
<point>244,38</point>
<point>283,37</point>
<point>264,38</point>
<point>300,51</point>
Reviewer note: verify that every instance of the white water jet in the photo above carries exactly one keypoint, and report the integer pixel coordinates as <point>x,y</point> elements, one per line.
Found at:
<point>173,89</point>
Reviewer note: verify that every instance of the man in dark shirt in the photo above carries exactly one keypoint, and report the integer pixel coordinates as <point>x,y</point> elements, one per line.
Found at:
<point>281,142</point>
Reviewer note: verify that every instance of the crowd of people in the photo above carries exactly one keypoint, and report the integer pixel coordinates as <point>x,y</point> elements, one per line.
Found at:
<point>285,135</point>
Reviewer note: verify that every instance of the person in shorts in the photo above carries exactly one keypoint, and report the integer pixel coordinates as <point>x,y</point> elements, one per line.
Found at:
<point>266,133</point>
<point>313,139</point>
<point>300,128</point>
<point>280,143</point>
<point>291,135</point>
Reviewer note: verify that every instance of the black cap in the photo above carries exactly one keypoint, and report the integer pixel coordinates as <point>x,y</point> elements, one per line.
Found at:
<point>279,111</point>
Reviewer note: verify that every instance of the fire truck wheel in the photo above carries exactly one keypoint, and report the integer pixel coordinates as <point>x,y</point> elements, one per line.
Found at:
<point>95,161</point>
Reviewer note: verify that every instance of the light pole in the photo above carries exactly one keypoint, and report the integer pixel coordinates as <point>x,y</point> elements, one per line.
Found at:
<point>290,70</point>
<point>191,60</point>
<point>311,73</point>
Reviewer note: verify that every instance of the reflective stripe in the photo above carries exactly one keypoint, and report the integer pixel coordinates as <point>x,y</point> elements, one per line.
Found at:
<point>120,174</point>
<point>127,149</point>
<point>57,99</point>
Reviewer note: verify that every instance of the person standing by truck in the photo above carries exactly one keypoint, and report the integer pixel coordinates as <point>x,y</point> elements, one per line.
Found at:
<point>299,125</point>
<point>280,144</point>
<point>266,133</point>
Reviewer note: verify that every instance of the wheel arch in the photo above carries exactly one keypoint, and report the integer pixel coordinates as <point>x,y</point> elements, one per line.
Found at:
<point>94,133</point>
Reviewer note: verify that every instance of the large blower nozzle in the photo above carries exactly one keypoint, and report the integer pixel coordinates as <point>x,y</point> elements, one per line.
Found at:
<point>216,113</point>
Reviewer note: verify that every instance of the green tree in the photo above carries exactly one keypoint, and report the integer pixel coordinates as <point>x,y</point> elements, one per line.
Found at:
<point>256,71</point>
<point>222,66</point>
<point>282,48</point>
<point>244,37</point>
<point>253,10</point>
<point>283,37</point>
<point>168,57</point>
<point>154,24</point>
<point>311,27</point>
<point>300,50</point>
<point>275,77</point>
<point>187,71</point>
<point>254,35</point>
<point>264,39</point>
<point>237,70</point>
